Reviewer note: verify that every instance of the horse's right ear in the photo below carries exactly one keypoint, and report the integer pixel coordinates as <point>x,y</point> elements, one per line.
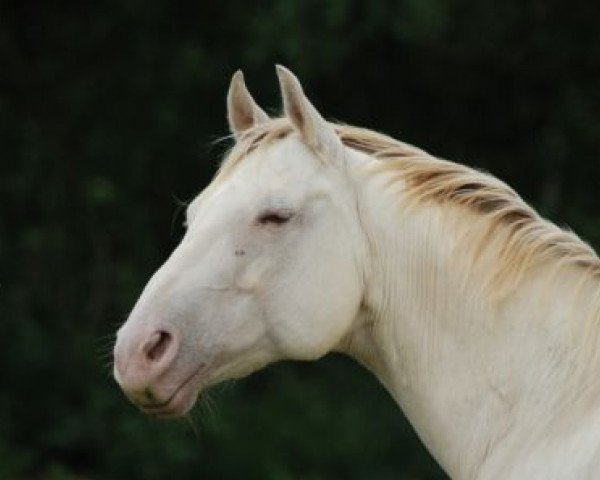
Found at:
<point>242,111</point>
<point>313,128</point>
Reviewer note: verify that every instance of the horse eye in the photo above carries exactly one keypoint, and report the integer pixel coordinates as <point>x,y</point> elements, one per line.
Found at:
<point>274,217</point>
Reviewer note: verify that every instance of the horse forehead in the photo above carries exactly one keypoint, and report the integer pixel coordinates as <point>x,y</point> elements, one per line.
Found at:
<point>286,164</point>
<point>286,160</point>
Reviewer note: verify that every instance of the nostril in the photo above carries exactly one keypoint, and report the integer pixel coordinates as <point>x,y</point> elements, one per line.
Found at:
<point>157,345</point>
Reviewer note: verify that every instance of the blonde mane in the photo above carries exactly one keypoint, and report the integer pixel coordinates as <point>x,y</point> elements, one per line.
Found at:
<point>529,239</point>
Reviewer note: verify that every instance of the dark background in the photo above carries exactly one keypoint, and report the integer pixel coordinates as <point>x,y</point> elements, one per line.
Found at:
<point>108,115</point>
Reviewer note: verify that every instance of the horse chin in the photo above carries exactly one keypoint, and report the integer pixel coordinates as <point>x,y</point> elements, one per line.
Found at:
<point>181,400</point>
<point>177,407</point>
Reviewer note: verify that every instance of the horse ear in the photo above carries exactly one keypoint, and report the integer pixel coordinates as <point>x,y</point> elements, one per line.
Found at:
<point>242,111</point>
<point>313,128</point>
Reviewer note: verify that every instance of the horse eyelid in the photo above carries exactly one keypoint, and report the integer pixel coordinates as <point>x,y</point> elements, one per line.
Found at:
<point>274,217</point>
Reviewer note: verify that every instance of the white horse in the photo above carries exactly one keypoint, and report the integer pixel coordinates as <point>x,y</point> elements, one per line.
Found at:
<point>478,316</point>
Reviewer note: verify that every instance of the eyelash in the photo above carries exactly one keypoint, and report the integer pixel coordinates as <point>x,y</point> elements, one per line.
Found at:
<point>274,218</point>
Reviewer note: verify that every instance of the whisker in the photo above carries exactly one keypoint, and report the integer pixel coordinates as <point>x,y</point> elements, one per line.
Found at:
<point>181,205</point>
<point>221,139</point>
<point>190,421</point>
<point>108,372</point>
<point>107,357</point>
<point>107,336</point>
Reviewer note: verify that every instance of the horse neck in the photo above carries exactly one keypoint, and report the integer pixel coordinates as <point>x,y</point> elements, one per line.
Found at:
<point>469,371</point>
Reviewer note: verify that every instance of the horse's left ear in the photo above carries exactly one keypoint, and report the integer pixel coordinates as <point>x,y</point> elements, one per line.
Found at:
<point>313,128</point>
<point>242,111</point>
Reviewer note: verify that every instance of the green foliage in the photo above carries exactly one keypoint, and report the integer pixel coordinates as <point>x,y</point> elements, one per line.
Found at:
<point>108,111</point>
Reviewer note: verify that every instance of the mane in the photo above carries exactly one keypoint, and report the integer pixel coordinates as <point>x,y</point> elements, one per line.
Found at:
<point>529,240</point>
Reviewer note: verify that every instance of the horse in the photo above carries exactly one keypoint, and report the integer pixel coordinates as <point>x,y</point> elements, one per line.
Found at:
<point>480,317</point>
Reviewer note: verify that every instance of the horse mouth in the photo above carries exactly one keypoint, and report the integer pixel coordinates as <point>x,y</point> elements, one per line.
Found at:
<point>180,401</point>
